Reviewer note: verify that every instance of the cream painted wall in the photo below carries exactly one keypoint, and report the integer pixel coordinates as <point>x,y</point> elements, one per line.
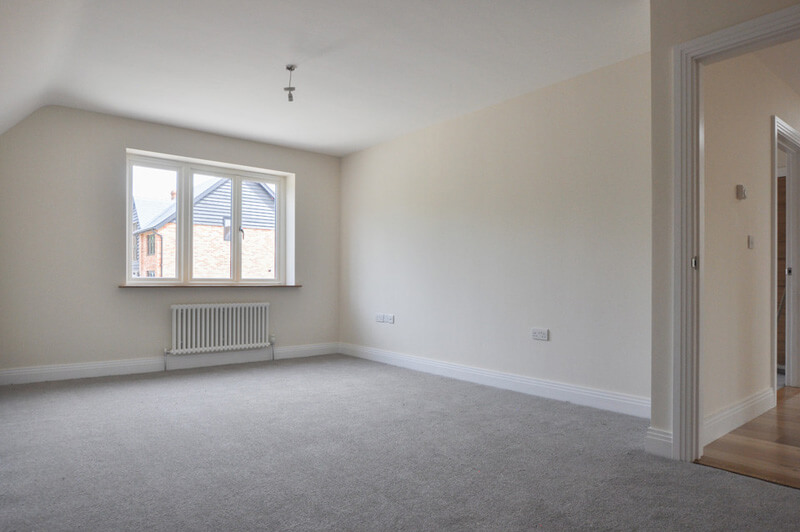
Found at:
<point>531,213</point>
<point>740,96</point>
<point>62,218</point>
<point>673,22</point>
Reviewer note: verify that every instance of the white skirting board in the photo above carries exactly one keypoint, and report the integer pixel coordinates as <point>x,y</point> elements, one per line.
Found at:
<point>658,442</point>
<point>613,401</point>
<point>250,355</point>
<point>719,424</point>
<point>203,360</point>
<point>82,370</point>
<point>309,350</point>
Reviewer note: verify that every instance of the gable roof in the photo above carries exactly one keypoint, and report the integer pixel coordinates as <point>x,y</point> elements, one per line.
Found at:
<point>147,211</point>
<point>152,214</point>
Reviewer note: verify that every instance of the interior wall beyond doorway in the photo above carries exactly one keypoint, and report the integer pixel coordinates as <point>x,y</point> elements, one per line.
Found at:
<point>740,97</point>
<point>781,258</point>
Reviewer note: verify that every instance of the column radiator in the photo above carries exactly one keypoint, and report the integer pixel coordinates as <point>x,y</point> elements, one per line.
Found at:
<point>219,327</point>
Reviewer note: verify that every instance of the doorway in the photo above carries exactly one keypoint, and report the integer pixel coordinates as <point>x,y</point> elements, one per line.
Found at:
<point>756,34</point>
<point>780,274</point>
<point>768,446</point>
<point>787,172</point>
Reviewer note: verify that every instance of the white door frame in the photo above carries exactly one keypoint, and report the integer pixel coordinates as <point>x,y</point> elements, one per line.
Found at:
<point>758,33</point>
<point>786,138</point>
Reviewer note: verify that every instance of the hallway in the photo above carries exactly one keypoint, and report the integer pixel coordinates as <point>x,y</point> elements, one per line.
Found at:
<point>767,447</point>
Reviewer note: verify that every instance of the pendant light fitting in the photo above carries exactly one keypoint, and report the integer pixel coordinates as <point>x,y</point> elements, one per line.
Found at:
<point>290,89</point>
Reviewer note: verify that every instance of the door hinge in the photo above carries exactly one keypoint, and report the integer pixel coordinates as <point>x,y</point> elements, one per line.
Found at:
<point>695,262</point>
<point>789,270</point>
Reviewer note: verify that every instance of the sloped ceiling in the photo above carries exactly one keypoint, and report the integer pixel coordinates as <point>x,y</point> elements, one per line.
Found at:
<point>784,61</point>
<point>367,70</point>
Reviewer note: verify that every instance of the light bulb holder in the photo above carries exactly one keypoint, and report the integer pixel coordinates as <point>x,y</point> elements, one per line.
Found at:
<point>290,89</point>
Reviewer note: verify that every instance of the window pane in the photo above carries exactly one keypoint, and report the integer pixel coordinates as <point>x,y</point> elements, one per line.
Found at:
<point>154,221</point>
<point>258,224</point>
<point>211,252</point>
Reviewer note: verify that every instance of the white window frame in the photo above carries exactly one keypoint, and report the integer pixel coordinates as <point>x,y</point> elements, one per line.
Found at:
<point>185,168</point>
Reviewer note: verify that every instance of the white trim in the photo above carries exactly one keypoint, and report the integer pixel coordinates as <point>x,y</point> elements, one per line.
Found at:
<point>613,401</point>
<point>658,442</point>
<point>785,137</point>
<point>770,29</point>
<point>81,370</point>
<point>287,235</point>
<point>686,222</point>
<point>209,164</point>
<point>307,350</point>
<point>719,424</point>
<point>203,360</point>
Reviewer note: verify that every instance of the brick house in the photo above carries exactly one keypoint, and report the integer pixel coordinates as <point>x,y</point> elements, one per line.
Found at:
<point>154,227</point>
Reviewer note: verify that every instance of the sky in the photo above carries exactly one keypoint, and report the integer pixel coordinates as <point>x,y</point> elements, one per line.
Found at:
<point>157,183</point>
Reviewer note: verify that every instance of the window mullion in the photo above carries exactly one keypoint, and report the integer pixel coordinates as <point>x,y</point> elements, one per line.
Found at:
<point>236,242</point>
<point>185,221</point>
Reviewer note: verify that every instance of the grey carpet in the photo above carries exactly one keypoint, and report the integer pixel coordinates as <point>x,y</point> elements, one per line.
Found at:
<point>336,443</point>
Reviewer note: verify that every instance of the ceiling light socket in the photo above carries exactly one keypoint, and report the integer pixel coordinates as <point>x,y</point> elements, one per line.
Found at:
<point>289,89</point>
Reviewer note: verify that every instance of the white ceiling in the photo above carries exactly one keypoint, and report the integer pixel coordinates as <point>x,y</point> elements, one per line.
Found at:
<point>368,70</point>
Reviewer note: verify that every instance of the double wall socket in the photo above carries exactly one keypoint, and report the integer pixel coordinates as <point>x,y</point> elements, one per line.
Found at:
<point>384,318</point>
<point>540,334</point>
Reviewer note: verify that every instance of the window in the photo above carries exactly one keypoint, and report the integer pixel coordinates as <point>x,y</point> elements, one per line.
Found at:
<point>198,222</point>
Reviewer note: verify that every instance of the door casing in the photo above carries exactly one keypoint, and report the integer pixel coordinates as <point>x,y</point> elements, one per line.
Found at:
<point>775,28</point>
<point>787,139</point>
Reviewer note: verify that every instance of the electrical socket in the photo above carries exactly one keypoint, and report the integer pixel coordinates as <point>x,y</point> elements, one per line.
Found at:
<point>540,334</point>
<point>384,318</point>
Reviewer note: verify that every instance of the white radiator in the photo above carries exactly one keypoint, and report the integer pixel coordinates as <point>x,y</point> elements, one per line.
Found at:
<point>219,327</point>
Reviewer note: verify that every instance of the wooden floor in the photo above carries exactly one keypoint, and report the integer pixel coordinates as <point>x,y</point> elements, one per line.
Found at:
<point>767,447</point>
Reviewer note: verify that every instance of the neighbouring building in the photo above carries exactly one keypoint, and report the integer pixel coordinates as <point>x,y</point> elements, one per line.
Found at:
<point>155,230</point>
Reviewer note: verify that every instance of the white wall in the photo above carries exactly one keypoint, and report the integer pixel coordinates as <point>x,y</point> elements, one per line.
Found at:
<point>62,227</point>
<point>740,96</point>
<point>673,22</point>
<point>531,213</point>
